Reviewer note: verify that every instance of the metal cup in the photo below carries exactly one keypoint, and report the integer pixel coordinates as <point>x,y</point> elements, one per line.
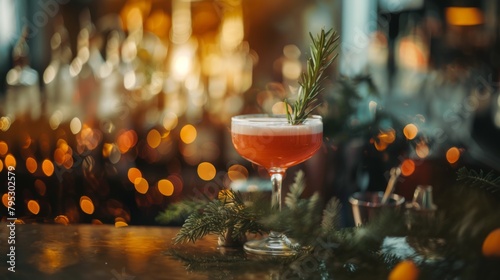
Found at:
<point>367,205</point>
<point>422,199</point>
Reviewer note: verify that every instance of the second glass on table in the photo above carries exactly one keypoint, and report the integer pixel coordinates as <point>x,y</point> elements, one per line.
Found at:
<point>271,142</point>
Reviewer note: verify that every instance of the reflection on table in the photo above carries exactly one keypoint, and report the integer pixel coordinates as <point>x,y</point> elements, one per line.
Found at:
<point>106,252</point>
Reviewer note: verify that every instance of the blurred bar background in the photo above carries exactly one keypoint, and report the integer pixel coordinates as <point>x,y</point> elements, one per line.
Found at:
<point>112,110</point>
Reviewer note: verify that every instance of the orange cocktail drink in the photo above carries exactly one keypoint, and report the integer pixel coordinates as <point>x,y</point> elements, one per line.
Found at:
<point>271,142</point>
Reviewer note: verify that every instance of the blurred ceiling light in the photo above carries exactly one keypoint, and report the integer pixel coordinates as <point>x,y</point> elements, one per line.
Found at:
<point>134,19</point>
<point>133,10</point>
<point>182,60</point>
<point>158,23</point>
<point>232,32</point>
<point>464,16</point>
<point>181,21</point>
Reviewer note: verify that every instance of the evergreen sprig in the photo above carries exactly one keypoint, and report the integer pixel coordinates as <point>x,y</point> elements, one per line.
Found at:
<point>487,181</point>
<point>331,217</point>
<point>321,57</point>
<point>178,212</point>
<point>302,217</point>
<point>226,214</point>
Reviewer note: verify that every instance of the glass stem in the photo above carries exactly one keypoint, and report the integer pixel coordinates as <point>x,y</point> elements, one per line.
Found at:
<point>276,181</point>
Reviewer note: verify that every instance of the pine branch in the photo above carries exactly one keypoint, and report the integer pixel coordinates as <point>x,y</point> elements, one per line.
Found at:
<point>227,213</point>
<point>489,181</point>
<point>301,218</point>
<point>320,59</point>
<point>296,189</point>
<point>178,212</point>
<point>198,225</point>
<point>331,216</point>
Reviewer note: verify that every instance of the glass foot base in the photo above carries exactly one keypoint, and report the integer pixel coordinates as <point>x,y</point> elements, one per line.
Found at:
<point>276,244</point>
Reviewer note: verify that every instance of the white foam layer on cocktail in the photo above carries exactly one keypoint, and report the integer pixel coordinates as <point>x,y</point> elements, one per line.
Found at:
<point>277,126</point>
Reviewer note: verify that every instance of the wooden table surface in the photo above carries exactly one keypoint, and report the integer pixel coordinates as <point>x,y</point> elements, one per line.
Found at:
<point>95,252</point>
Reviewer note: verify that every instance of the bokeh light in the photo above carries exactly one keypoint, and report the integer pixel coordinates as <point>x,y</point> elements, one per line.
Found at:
<point>384,139</point>
<point>87,205</point>
<point>31,165</point>
<point>48,167</point>
<point>464,16</point>
<point>407,167</point>
<point>106,149</point>
<point>120,224</point>
<point>56,119</point>
<point>62,220</point>
<point>33,207</point>
<point>237,172</point>
<point>4,148</point>
<point>453,155</point>
<point>422,149</point>
<point>5,123</point>
<point>410,131</point>
<point>5,199</point>
<point>165,187</point>
<point>133,173</point>
<point>206,171</point>
<point>141,185</point>
<point>188,134</point>
<point>75,125</point>
<point>126,140</point>
<point>279,108</point>
<point>153,138</point>
<point>10,160</point>
<point>170,121</point>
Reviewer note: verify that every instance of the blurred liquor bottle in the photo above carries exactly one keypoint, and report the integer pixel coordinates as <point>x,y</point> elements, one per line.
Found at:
<point>23,92</point>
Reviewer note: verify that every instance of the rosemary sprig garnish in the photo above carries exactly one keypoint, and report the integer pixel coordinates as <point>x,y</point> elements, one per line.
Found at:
<point>321,57</point>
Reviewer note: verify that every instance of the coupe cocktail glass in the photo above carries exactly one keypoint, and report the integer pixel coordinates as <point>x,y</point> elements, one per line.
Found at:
<point>271,142</point>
